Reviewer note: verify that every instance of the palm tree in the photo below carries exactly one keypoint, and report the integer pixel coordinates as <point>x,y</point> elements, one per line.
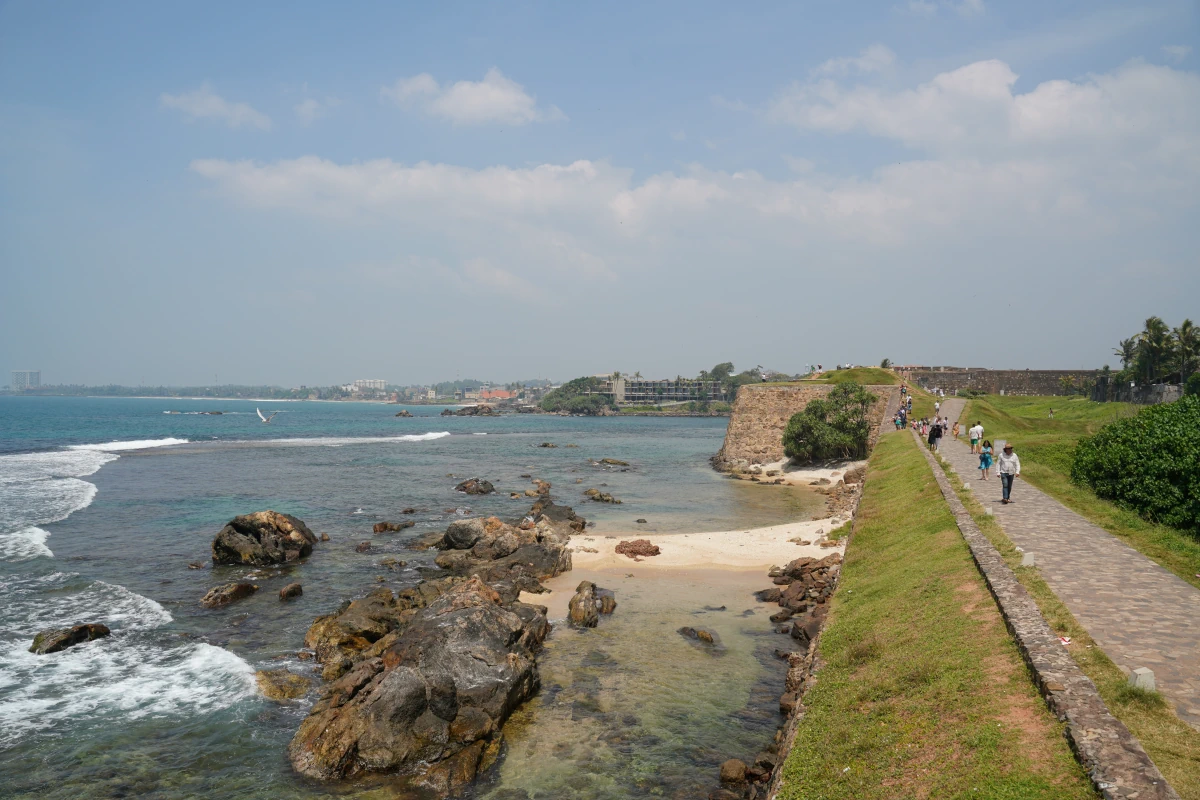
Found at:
<point>1127,351</point>
<point>1187,348</point>
<point>1154,347</point>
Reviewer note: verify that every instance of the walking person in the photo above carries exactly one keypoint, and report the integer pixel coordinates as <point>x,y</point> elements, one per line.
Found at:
<point>976,435</point>
<point>954,433</point>
<point>1009,467</point>
<point>985,460</point>
<point>937,406</point>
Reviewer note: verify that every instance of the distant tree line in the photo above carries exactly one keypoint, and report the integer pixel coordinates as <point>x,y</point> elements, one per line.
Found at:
<point>227,391</point>
<point>1159,353</point>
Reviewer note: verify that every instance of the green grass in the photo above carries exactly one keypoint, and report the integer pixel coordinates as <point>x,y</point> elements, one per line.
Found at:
<point>1171,743</point>
<point>866,376</point>
<point>922,692</point>
<point>1046,447</point>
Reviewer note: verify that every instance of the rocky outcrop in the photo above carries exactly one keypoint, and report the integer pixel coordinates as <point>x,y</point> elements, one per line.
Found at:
<point>637,549</point>
<point>261,539</point>
<point>601,497</point>
<point>583,610</point>
<point>520,555</point>
<point>392,527</point>
<point>428,701</point>
<point>471,411</point>
<point>475,486</point>
<point>403,413</point>
<point>613,462</point>
<point>279,684</point>
<point>226,594</point>
<point>56,639</point>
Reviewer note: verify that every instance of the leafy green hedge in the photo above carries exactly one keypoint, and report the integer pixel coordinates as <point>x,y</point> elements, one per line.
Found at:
<point>834,427</point>
<point>574,398</point>
<point>1149,463</point>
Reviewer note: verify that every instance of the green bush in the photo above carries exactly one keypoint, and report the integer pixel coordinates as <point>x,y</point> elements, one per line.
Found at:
<point>572,398</point>
<point>835,427</point>
<point>1192,387</point>
<point>1149,463</point>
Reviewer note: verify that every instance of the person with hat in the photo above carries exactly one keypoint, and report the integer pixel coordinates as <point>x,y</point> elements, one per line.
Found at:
<point>1009,467</point>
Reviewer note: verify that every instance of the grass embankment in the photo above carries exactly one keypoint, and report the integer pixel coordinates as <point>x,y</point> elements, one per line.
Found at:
<point>865,376</point>
<point>923,692</point>
<point>1046,447</point>
<point>1172,744</point>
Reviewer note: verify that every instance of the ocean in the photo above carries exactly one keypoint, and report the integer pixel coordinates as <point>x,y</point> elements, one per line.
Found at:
<point>104,503</point>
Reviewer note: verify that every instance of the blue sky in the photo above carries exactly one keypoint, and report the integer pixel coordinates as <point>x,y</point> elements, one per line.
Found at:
<point>294,193</point>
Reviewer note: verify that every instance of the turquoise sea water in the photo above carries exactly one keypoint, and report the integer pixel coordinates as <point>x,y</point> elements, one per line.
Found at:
<point>104,502</point>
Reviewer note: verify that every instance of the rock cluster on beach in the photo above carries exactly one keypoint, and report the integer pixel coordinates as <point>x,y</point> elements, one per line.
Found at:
<point>55,639</point>
<point>637,549</point>
<point>421,681</point>
<point>261,539</point>
<point>601,497</point>
<point>588,603</point>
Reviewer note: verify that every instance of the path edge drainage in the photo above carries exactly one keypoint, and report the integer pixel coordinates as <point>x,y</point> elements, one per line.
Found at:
<point>1113,757</point>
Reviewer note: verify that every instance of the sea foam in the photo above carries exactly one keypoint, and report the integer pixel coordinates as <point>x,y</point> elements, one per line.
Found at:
<point>24,544</point>
<point>137,444</point>
<point>337,441</point>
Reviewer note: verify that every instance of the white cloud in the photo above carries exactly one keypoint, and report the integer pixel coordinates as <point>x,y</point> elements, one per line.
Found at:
<point>1065,177</point>
<point>875,58</point>
<point>1176,52</point>
<point>310,109</point>
<point>495,99</point>
<point>204,103</point>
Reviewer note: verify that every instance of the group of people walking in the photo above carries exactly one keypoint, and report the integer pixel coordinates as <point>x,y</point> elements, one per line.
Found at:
<point>1008,465</point>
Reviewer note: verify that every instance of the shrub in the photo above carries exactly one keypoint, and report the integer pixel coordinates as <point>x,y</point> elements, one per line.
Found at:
<point>572,397</point>
<point>1149,463</point>
<point>835,427</point>
<point>1192,387</point>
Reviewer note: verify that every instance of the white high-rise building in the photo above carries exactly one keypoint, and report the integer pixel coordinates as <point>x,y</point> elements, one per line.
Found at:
<point>372,385</point>
<point>23,379</point>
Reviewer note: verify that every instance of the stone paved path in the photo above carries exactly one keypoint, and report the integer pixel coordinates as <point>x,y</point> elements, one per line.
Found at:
<point>1139,613</point>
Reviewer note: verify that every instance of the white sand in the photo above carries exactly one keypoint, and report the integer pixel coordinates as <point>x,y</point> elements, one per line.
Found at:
<point>803,476</point>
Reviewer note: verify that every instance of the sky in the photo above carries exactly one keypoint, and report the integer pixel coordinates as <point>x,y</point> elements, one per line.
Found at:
<point>304,193</point>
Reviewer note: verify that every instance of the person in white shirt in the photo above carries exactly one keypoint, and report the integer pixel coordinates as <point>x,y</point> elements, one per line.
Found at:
<point>936,407</point>
<point>976,437</point>
<point>1009,467</point>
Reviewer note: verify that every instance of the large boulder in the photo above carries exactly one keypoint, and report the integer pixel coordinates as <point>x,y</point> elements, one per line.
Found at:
<point>583,609</point>
<point>263,538</point>
<point>56,639</point>
<point>429,703</point>
<point>226,594</point>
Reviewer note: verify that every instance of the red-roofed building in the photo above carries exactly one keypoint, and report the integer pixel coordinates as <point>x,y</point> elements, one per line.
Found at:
<point>496,394</point>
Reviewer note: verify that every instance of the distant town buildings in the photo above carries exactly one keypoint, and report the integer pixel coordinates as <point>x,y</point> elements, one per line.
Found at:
<point>639,392</point>
<point>370,385</point>
<point>23,379</point>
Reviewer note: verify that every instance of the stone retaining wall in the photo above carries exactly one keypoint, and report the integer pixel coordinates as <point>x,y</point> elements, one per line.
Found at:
<point>761,413</point>
<point>1114,759</point>
<point>997,381</point>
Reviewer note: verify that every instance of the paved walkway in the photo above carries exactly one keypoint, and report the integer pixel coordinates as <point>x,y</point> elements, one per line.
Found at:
<point>1139,613</point>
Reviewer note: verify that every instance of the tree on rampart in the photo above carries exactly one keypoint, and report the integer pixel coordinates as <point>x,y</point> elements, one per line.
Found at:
<point>837,426</point>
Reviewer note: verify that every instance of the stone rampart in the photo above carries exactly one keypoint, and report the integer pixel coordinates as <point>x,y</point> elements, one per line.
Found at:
<point>761,413</point>
<point>1110,391</point>
<point>997,381</point>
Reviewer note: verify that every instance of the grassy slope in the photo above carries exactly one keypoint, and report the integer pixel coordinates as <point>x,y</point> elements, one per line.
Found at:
<point>923,693</point>
<point>1046,446</point>
<point>867,376</point>
<point>1174,746</point>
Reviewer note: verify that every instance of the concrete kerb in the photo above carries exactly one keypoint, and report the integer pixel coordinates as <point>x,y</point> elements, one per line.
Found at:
<point>1114,759</point>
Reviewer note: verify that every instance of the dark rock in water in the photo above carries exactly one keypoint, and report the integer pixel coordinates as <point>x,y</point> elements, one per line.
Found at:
<point>393,564</point>
<point>56,639</point>
<point>637,548</point>
<point>546,509</point>
<point>428,700</point>
<point>290,591</point>
<point>698,634</point>
<point>582,607</point>
<point>224,595</point>
<point>767,595</point>
<point>714,608</point>
<point>614,462</point>
<point>262,538</point>
<point>640,521</point>
<point>607,600</point>
<point>279,684</point>
<point>403,413</point>
<point>392,527</point>
<point>495,551</point>
<point>787,703</point>
<point>781,616</point>
<point>749,612</point>
<point>475,486</point>
<point>196,565</point>
<point>324,537</point>
<point>601,497</point>
<point>547,444</point>
<point>409,511</point>
<point>733,771</point>
<point>362,547</point>
<point>471,411</point>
